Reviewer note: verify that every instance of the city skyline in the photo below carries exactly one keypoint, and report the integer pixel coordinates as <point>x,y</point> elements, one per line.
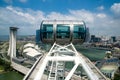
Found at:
<point>102,17</point>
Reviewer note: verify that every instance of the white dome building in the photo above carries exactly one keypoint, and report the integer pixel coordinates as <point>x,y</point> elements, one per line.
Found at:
<point>31,51</point>
<point>29,45</point>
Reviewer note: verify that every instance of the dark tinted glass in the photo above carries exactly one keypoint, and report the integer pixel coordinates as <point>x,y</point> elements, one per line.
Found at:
<point>79,32</point>
<point>63,31</point>
<point>47,31</point>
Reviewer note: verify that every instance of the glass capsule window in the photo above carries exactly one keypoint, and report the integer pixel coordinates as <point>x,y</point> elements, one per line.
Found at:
<point>63,31</point>
<point>79,32</point>
<point>47,31</point>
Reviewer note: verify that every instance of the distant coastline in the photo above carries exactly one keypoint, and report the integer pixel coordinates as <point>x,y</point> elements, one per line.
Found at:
<point>6,37</point>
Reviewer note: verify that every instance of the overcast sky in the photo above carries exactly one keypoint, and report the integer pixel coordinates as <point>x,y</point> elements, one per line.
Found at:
<point>102,17</point>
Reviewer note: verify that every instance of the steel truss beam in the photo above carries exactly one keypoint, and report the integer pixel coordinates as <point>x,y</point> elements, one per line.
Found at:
<point>56,54</point>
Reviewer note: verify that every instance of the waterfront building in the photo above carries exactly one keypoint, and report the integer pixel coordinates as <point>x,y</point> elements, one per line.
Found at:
<point>95,39</point>
<point>109,67</point>
<point>116,52</point>
<point>31,51</point>
<point>87,35</point>
<point>118,38</point>
<point>113,39</point>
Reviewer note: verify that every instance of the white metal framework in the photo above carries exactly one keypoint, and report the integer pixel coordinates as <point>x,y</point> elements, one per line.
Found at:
<point>57,56</point>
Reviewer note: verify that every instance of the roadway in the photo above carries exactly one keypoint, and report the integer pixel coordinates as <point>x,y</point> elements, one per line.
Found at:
<point>31,74</point>
<point>20,68</point>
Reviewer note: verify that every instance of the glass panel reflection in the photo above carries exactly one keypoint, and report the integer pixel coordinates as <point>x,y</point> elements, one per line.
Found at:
<point>47,31</point>
<point>63,31</point>
<point>79,32</point>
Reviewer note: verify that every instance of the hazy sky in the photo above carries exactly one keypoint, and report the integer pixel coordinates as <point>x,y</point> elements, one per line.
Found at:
<point>101,16</point>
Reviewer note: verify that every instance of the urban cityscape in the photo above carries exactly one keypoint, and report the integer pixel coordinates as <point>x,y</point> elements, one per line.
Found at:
<point>103,51</point>
<point>59,40</point>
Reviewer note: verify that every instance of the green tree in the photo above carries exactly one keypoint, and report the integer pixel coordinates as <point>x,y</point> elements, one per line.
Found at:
<point>117,76</point>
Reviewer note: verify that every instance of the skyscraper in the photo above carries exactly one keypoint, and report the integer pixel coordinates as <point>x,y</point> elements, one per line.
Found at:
<point>113,39</point>
<point>87,35</point>
<point>38,36</point>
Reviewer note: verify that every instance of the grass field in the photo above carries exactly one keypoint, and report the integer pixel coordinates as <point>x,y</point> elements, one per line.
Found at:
<point>1,68</point>
<point>12,75</point>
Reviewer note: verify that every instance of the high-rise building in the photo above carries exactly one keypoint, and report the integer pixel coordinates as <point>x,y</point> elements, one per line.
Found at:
<point>92,38</point>
<point>38,36</point>
<point>95,39</point>
<point>12,43</point>
<point>87,35</point>
<point>113,38</point>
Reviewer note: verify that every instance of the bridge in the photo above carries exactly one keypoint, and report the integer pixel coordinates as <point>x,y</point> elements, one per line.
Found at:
<point>19,68</point>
